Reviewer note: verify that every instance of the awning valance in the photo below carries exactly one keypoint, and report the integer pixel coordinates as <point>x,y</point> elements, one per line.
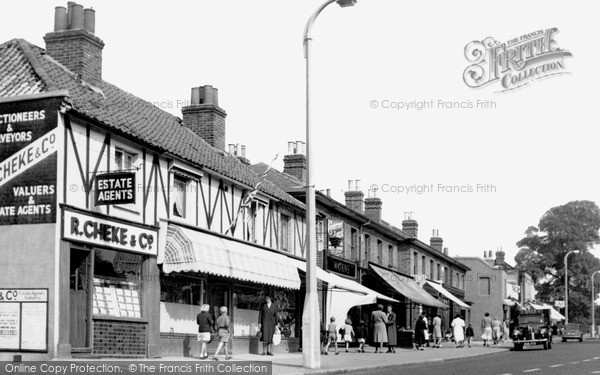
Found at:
<point>407,287</point>
<point>554,315</point>
<point>343,294</point>
<point>448,295</point>
<point>189,250</point>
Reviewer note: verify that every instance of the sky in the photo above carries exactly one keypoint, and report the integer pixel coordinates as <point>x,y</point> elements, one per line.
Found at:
<point>480,176</point>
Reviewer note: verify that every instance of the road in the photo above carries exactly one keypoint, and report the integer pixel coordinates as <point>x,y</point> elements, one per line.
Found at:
<point>572,358</point>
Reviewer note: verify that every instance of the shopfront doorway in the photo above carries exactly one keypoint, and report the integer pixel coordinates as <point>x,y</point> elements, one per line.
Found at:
<point>79,299</point>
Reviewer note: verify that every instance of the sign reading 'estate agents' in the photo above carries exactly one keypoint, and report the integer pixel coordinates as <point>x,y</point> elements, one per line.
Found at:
<point>115,188</point>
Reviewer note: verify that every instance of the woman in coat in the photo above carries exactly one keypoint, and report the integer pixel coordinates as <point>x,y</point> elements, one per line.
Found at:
<point>379,320</point>
<point>391,330</point>
<point>267,321</point>
<point>420,327</point>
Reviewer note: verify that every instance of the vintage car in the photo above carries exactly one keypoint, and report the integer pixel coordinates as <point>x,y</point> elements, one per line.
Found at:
<point>533,328</point>
<point>572,331</point>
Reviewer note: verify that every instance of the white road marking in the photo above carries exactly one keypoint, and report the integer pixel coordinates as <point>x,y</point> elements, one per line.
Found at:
<point>532,370</point>
<point>586,360</point>
<point>556,365</point>
<point>574,363</point>
<point>595,372</point>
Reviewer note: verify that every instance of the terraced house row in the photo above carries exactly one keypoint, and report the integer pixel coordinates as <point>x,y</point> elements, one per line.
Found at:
<point>119,220</point>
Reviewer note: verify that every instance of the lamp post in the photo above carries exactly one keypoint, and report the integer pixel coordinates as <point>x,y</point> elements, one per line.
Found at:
<point>311,350</point>
<point>567,286</point>
<point>593,306</point>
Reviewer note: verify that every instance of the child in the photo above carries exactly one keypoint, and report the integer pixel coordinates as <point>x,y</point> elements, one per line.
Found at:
<point>470,334</point>
<point>331,336</point>
<point>348,333</point>
<point>361,335</point>
<point>223,332</point>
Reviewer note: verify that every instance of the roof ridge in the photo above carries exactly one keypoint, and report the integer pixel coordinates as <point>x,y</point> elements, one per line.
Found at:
<point>25,47</point>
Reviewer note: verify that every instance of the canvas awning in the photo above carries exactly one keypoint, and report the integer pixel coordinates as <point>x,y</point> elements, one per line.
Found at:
<point>190,250</point>
<point>343,294</point>
<point>408,287</point>
<point>448,295</point>
<point>554,315</point>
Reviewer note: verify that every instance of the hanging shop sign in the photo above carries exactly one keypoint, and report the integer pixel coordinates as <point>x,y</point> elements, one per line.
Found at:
<point>28,148</point>
<point>104,231</point>
<point>115,188</point>
<point>24,320</point>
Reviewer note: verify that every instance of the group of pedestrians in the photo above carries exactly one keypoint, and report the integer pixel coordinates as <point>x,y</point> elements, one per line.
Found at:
<point>493,330</point>
<point>267,327</point>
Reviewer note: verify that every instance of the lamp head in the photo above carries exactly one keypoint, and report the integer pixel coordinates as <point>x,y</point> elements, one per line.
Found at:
<point>346,3</point>
<point>576,251</point>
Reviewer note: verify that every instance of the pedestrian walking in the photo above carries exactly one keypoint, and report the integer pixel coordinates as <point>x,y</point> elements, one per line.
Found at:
<point>323,332</point>
<point>420,328</point>
<point>470,334</point>
<point>496,330</point>
<point>486,329</point>
<point>437,331</point>
<point>331,336</point>
<point>267,321</point>
<point>391,328</point>
<point>348,332</point>
<point>205,328</point>
<point>379,320</point>
<point>506,330</point>
<point>223,332</point>
<point>458,329</point>
<point>361,336</point>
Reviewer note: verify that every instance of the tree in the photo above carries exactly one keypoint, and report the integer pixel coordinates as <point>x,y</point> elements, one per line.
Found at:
<point>573,226</point>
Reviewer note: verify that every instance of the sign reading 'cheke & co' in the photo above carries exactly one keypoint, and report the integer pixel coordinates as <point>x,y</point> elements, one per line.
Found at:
<point>94,230</point>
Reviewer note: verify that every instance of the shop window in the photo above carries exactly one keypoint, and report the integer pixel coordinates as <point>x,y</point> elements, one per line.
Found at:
<point>415,263</point>
<point>117,283</point>
<point>177,288</point>
<point>287,312</point>
<point>179,190</point>
<point>423,266</point>
<point>380,252</point>
<point>439,272</point>
<point>367,247</point>
<point>246,305</point>
<point>353,243</point>
<point>391,255</point>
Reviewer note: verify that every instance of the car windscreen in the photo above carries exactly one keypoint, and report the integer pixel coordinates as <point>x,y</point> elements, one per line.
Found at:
<point>531,319</point>
<point>572,326</point>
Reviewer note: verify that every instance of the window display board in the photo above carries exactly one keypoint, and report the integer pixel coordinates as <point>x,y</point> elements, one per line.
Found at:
<point>24,320</point>
<point>116,298</point>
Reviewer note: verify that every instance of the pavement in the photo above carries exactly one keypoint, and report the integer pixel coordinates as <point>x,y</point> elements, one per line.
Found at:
<point>354,362</point>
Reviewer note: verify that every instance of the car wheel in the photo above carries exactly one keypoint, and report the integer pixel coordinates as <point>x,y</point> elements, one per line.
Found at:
<point>580,339</point>
<point>564,340</point>
<point>518,347</point>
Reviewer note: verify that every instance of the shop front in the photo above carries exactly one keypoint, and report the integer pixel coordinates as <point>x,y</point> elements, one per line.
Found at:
<point>111,281</point>
<point>199,267</point>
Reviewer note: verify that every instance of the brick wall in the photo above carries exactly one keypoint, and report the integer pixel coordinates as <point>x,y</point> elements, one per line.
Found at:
<point>78,50</point>
<point>116,337</point>
<point>208,121</point>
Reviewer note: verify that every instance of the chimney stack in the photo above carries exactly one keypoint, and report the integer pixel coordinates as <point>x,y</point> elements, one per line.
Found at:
<point>205,117</point>
<point>436,241</point>
<point>354,197</point>
<point>73,43</point>
<point>445,251</point>
<point>373,208</point>
<point>499,258</point>
<point>294,163</point>
<point>239,151</point>
<point>410,226</point>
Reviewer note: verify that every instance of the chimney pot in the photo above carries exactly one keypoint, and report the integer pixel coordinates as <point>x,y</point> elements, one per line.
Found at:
<point>350,182</point>
<point>301,147</point>
<point>243,151</point>
<point>77,20</point>
<point>89,20</point>
<point>60,18</point>
<point>195,96</point>
<point>357,184</point>
<point>232,148</point>
<point>328,192</point>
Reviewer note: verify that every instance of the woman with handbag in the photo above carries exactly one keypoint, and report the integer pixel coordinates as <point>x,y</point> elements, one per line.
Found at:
<point>267,321</point>
<point>205,324</point>
<point>223,332</point>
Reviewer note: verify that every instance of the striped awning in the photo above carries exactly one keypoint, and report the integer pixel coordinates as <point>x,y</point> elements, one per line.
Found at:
<point>408,287</point>
<point>189,250</point>
<point>446,293</point>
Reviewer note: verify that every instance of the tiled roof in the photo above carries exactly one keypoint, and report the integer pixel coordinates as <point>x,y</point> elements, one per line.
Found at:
<point>26,69</point>
<point>282,180</point>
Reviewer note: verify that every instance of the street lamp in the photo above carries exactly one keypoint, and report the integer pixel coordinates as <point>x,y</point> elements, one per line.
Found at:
<point>567,286</point>
<point>311,350</point>
<point>593,306</point>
